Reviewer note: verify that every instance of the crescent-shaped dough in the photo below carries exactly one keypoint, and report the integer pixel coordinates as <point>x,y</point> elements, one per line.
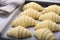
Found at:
<point>52,8</point>
<point>44,34</point>
<point>24,21</point>
<point>50,16</point>
<point>47,24</point>
<point>19,32</point>
<point>31,13</point>
<point>33,5</point>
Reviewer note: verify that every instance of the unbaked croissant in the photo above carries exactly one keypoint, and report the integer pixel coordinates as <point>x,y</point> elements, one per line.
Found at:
<point>50,16</point>
<point>19,32</point>
<point>44,34</point>
<point>52,8</point>
<point>31,13</point>
<point>24,21</point>
<point>33,5</point>
<point>47,24</point>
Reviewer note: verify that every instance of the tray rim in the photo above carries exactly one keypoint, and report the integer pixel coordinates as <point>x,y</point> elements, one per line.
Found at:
<point>45,1</point>
<point>13,39</point>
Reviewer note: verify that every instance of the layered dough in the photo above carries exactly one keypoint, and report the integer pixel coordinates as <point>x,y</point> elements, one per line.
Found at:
<point>33,5</point>
<point>50,16</point>
<point>19,32</point>
<point>52,8</point>
<point>47,24</point>
<point>24,21</point>
<point>44,34</point>
<point>31,13</point>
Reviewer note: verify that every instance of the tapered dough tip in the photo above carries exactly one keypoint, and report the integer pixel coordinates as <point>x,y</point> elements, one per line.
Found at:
<point>30,34</point>
<point>35,28</point>
<point>13,24</point>
<point>58,28</point>
<point>8,32</point>
<point>54,38</point>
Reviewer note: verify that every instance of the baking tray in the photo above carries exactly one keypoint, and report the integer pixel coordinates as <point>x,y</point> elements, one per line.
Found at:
<point>54,1</point>
<point>9,26</point>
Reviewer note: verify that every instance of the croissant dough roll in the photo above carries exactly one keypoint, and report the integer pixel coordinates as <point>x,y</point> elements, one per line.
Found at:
<point>19,32</point>
<point>24,21</point>
<point>44,34</point>
<point>50,16</point>
<point>31,13</point>
<point>52,8</point>
<point>33,5</point>
<point>47,24</point>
